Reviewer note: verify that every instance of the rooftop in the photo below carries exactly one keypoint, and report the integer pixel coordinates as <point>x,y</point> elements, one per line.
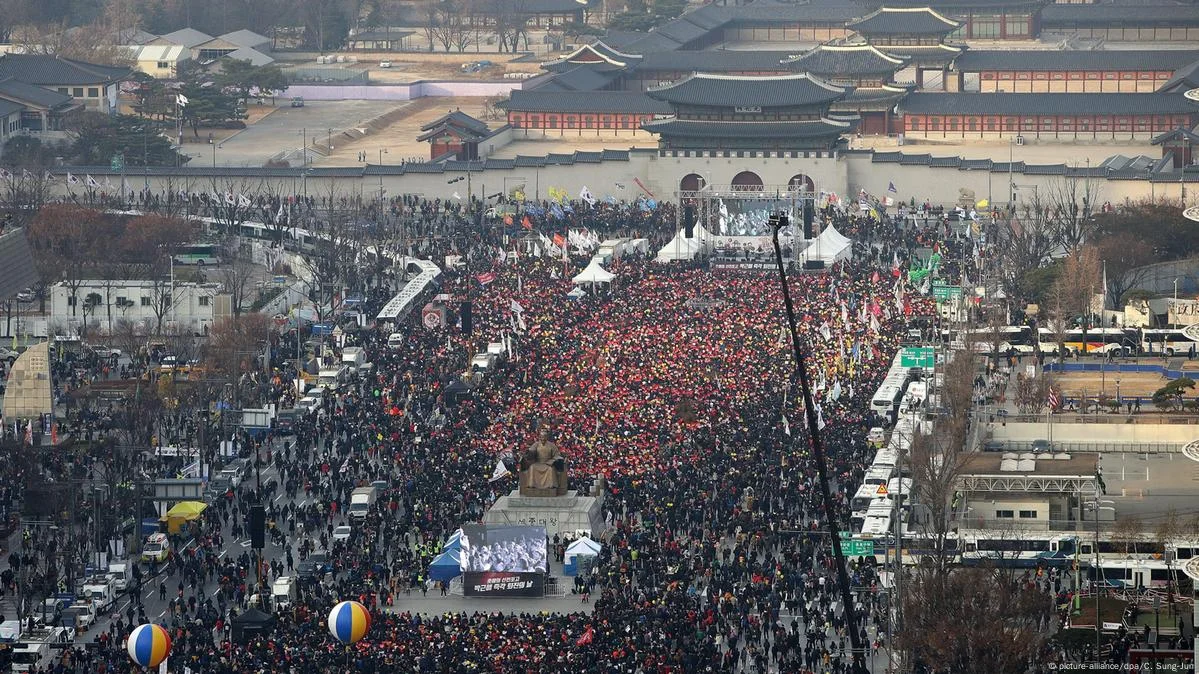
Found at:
<point>688,128</point>
<point>993,463</point>
<point>833,60</point>
<point>904,21</point>
<point>55,70</point>
<point>705,89</point>
<point>188,37</point>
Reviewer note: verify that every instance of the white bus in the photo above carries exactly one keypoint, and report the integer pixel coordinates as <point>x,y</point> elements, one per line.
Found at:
<point>1167,341</point>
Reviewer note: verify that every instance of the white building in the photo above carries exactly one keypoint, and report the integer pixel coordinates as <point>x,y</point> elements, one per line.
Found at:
<point>155,306</point>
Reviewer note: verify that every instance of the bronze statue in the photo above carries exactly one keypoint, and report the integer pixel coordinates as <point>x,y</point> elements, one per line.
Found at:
<point>543,468</point>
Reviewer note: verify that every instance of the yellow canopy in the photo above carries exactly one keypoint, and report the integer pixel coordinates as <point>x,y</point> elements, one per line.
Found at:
<point>187,509</point>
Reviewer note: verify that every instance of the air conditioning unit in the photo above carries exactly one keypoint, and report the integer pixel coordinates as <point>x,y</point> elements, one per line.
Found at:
<point>1019,140</point>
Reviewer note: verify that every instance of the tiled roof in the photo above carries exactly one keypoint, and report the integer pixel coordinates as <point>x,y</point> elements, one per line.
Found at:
<point>56,71</point>
<point>188,37</point>
<point>765,91</point>
<point>579,78</point>
<point>33,95</point>
<point>681,30</point>
<point>877,94</point>
<point>9,107</point>
<point>595,53</point>
<point>246,38</point>
<point>833,61</point>
<point>688,128</point>
<point>254,56</point>
<point>457,118</point>
<point>904,21</point>
<point>1047,104</point>
<point>1184,79</point>
<point>1177,134</point>
<point>976,60</point>
<point>585,101</point>
<point>714,61</point>
<point>1158,15</point>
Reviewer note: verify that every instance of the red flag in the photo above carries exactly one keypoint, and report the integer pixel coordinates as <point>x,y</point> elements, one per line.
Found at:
<point>586,637</point>
<point>486,278</point>
<point>525,223</point>
<point>874,278</point>
<point>559,241</point>
<point>508,219</point>
<point>53,433</point>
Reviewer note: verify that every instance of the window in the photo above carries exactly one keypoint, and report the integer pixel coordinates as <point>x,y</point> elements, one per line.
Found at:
<point>145,301</point>
<point>1004,514</point>
<point>163,65</point>
<point>122,301</point>
<point>77,92</point>
<point>64,91</point>
<point>1028,514</point>
<point>93,92</point>
<point>205,300</point>
<point>70,300</point>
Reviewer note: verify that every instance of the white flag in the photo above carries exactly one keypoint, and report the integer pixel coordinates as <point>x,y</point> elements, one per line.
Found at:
<point>786,426</point>
<point>819,418</point>
<point>457,196</point>
<point>181,100</point>
<point>586,195</point>
<point>91,182</point>
<point>229,199</point>
<point>71,179</point>
<point>520,320</point>
<point>243,200</point>
<point>520,285</point>
<point>279,215</point>
<point>516,308</point>
<point>500,470</point>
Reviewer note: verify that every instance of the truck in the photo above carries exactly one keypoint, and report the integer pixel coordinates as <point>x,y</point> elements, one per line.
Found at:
<point>283,592</point>
<point>156,549</point>
<point>333,378</point>
<point>81,616</point>
<point>121,574</point>
<point>50,609</point>
<point>361,500</point>
<point>101,591</point>
<point>353,356</point>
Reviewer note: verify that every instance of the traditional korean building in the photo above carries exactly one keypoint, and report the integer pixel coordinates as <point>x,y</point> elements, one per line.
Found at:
<point>868,70</point>
<point>455,132</point>
<point>1115,71</point>
<point>1060,117</point>
<point>919,33</point>
<point>1179,146</point>
<point>985,19</point>
<point>754,116</point>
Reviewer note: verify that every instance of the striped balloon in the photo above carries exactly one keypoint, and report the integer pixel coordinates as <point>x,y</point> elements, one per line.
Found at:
<point>148,645</point>
<point>349,621</point>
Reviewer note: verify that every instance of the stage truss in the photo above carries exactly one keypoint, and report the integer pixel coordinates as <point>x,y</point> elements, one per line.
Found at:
<point>786,198</point>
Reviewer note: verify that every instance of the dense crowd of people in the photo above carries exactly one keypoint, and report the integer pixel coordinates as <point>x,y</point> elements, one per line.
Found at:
<point>675,384</point>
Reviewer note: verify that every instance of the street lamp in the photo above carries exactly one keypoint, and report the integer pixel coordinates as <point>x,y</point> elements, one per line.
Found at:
<point>382,151</point>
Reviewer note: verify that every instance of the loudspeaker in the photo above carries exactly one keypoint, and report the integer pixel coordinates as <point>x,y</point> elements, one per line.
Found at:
<point>689,221</point>
<point>813,264</point>
<point>808,215</point>
<point>257,527</point>
<point>464,315</point>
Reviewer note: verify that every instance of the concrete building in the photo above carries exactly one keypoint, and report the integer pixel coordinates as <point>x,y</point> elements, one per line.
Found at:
<point>160,61</point>
<point>155,306</point>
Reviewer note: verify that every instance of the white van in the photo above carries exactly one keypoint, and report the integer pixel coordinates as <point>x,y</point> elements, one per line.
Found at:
<point>395,340</point>
<point>121,575</point>
<point>31,656</point>
<point>283,592</point>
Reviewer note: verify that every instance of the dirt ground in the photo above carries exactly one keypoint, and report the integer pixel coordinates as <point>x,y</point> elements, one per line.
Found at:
<point>399,138</point>
<point>1094,383</point>
<point>254,113</point>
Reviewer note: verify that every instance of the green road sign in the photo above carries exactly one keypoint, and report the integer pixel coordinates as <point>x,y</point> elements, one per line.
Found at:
<point>855,547</point>
<point>845,535</point>
<point>922,356</point>
<point>118,162</point>
<point>943,293</point>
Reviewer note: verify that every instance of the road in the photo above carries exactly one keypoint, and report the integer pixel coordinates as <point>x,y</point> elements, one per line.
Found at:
<point>284,129</point>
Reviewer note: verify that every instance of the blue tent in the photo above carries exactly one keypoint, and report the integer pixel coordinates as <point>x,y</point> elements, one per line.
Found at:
<point>447,565</point>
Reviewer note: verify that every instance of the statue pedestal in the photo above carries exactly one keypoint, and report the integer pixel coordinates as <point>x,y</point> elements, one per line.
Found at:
<point>558,514</point>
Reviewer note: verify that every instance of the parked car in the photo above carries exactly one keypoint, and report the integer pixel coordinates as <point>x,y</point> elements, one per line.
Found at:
<point>384,64</point>
<point>297,102</point>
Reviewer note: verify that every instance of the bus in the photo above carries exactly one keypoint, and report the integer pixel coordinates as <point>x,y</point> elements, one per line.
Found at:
<point>1015,338</point>
<point>1017,549</point>
<point>1118,341</point>
<point>1167,341</point>
<point>198,254</point>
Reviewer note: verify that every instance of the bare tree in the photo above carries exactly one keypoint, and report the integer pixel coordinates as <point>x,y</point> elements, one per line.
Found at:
<point>163,296</point>
<point>1071,204</point>
<point>237,276</point>
<point>1025,244</point>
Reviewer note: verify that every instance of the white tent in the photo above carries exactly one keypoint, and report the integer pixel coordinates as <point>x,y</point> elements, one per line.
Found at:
<point>593,274</point>
<point>584,547</point>
<point>680,248</point>
<point>831,246</point>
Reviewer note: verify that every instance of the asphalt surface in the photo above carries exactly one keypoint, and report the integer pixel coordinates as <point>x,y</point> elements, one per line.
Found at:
<point>284,130</point>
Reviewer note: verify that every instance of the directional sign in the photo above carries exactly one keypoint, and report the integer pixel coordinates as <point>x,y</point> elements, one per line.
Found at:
<point>856,547</point>
<point>922,356</point>
<point>944,293</point>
